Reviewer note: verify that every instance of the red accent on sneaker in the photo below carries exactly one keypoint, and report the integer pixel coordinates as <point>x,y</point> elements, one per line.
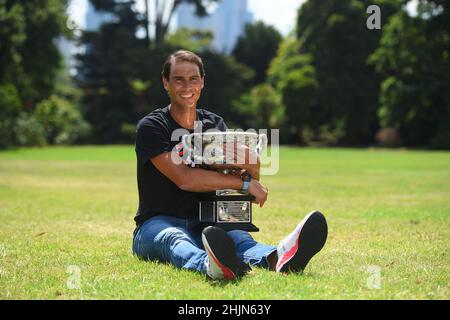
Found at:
<point>227,273</point>
<point>287,256</point>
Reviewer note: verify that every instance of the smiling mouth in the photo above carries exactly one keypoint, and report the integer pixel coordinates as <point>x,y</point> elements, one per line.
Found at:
<point>187,96</point>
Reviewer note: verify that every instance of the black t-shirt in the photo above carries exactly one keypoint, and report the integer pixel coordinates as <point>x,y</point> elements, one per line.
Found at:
<point>157,194</point>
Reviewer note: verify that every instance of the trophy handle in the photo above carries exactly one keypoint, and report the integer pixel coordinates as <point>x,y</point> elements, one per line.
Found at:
<point>186,143</point>
<point>185,140</point>
<point>262,143</point>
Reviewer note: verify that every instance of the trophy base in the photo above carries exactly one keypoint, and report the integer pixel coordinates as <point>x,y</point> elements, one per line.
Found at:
<point>229,212</point>
<point>249,227</point>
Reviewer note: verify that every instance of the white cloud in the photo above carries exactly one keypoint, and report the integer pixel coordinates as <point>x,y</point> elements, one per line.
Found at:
<point>411,7</point>
<point>282,14</point>
<point>77,11</point>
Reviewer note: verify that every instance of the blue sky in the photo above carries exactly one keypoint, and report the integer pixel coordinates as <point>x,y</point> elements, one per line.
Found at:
<point>279,13</point>
<point>283,18</point>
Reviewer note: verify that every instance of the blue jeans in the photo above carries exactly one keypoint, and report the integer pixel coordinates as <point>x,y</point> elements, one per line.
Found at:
<point>174,240</point>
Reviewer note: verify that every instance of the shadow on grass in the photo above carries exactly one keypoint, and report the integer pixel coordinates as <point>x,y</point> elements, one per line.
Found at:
<point>223,283</point>
<point>282,276</point>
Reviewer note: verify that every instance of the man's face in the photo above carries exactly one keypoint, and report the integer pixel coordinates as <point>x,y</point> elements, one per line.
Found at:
<point>184,84</point>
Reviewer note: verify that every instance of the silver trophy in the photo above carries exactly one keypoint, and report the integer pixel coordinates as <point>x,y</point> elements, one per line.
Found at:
<point>228,209</point>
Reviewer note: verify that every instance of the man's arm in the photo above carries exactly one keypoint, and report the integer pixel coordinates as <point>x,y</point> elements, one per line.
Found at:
<point>201,180</point>
<point>242,158</point>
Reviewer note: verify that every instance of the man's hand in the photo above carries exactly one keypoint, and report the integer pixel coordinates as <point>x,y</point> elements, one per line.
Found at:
<point>242,157</point>
<point>257,190</point>
<point>193,179</point>
<point>200,180</point>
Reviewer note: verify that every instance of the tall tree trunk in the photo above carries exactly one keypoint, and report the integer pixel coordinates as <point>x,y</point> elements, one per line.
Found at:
<point>159,37</point>
<point>161,24</point>
<point>147,22</point>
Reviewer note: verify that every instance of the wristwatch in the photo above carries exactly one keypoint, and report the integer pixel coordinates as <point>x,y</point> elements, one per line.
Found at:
<point>246,178</point>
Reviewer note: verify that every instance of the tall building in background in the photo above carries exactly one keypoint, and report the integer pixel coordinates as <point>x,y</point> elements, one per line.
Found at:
<point>226,22</point>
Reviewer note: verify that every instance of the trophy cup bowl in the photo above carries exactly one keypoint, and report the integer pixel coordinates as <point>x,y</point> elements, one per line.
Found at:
<point>228,209</point>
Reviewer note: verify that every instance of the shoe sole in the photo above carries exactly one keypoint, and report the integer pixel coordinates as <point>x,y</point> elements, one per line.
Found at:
<point>310,241</point>
<point>221,248</point>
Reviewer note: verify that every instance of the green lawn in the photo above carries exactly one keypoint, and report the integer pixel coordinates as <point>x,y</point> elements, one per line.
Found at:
<point>70,210</point>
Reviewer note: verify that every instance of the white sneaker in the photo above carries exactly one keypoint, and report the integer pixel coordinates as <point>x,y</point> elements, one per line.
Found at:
<point>308,238</point>
<point>222,261</point>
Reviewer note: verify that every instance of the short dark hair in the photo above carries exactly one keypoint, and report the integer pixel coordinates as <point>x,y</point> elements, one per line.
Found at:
<point>182,55</point>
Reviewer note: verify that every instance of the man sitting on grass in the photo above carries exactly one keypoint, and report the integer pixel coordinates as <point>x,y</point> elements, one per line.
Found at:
<point>168,205</point>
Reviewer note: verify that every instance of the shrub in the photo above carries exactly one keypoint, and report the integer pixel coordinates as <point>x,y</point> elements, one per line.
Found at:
<point>388,137</point>
<point>29,131</point>
<point>441,141</point>
<point>61,121</point>
<point>10,106</point>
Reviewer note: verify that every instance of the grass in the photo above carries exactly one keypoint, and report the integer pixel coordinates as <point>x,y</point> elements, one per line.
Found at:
<point>69,211</point>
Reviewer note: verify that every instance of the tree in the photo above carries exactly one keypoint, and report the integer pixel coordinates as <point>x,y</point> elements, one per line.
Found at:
<point>30,58</point>
<point>117,74</point>
<point>12,38</point>
<point>256,48</point>
<point>413,59</point>
<point>190,39</point>
<point>334,35</point>
<point>120,76</point>
<point>225,80</point>
<point>158,14</point>
<point>295,79</point>
<point>261,108</point>
<point>164,11</point>
<point>59,115</point>
<point>29,64</point>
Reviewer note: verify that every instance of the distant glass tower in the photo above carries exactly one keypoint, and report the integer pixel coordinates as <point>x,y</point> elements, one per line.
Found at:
<point>226,22</point>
